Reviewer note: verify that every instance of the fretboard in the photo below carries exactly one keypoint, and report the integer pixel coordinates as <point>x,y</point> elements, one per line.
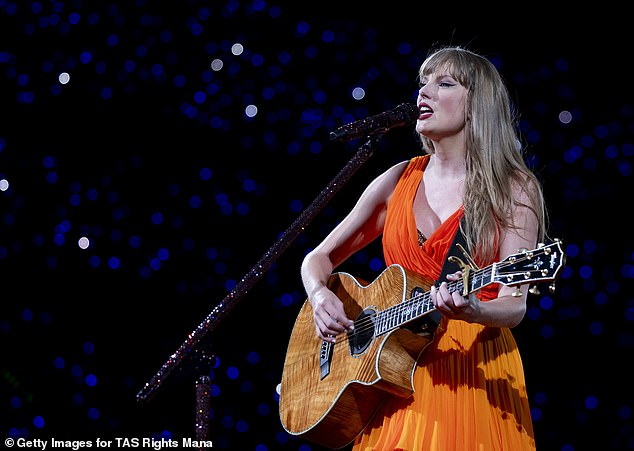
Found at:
<point>420,304</point>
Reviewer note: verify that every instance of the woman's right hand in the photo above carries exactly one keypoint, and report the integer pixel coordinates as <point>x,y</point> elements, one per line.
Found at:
<point>329,315</point>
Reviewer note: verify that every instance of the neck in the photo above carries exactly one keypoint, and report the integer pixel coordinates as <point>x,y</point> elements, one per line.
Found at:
<point>449,165</point>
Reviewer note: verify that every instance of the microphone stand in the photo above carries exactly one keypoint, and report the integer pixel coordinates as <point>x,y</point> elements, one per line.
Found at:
<point>230,301</point>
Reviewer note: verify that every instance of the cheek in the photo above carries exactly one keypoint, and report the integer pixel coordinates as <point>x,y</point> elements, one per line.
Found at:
<point>457,112</point>
<point>461,105</point>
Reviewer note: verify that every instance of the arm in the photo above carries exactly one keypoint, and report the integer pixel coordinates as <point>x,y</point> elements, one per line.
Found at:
<point>506,310</point>
<point>360,227</point>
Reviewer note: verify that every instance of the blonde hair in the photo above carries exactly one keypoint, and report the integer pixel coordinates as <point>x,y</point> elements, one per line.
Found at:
<point>495,159</point>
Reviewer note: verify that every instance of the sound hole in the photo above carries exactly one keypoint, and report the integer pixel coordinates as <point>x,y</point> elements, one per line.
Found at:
<point>363,334</point>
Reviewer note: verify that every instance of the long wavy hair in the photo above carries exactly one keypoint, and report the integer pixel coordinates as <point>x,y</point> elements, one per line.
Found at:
<point>495,156</point>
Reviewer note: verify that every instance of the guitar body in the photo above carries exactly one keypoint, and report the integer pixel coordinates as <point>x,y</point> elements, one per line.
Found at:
<point>330,392</point>
<point>332,410</point>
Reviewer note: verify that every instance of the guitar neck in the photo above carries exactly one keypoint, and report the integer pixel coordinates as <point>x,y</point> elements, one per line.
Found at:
<point>541,264</point>
<point>420,304</point>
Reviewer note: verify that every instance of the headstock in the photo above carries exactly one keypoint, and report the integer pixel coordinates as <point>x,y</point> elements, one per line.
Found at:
<point>542,264</point>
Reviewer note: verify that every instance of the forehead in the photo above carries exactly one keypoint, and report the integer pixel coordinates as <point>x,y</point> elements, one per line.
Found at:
<point>438,68</point>
<point>446,65</point>
<point>438,74</point>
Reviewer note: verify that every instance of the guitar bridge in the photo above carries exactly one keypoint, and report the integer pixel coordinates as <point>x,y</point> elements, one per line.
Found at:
<point>325,356</point>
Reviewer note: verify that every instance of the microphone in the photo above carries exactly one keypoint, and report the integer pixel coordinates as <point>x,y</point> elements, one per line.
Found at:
<point>402,115</point>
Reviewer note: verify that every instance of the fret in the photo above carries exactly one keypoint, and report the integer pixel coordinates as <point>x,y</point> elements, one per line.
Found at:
<point>404,312</point>
<point>379,324</point>
<point>414,309</point>
<point>476,280</point>
<point>393,320</point>
<point>420,303</point>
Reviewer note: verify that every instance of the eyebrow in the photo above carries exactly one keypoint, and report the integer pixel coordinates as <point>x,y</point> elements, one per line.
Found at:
<point>425,76</point>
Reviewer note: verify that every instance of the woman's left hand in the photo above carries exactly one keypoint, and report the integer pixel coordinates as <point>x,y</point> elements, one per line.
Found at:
<point>454,305</point>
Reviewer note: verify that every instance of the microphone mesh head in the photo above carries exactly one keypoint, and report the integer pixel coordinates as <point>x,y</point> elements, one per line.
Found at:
<point>409,112</point>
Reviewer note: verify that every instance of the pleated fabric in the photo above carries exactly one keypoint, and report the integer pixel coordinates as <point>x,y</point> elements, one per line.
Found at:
<point>470,391</point>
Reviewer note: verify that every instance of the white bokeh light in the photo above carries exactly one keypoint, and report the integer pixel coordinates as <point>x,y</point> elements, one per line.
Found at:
<point>251,110</point>
<point>237,49</point>
<point>565,117</point>
<point>83,243</point>
<point>358,93</point>
<point>64,78</point>
<point>216,65</point>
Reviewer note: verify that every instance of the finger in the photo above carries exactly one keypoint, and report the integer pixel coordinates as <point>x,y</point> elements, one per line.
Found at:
<point>326,334</point>
<point>458,301</point>
<point>329,338</point>
<point>447,300</point>
<point>331,327</point>
<point>438,300</point>
<point>339,321</point>
<point>334,327</point>
<point>328,316</point>
<point>444,291</point>
<point>319,333</point>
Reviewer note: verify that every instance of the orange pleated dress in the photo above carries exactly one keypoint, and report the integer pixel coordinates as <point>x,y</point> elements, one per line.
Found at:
<point>470,392</point>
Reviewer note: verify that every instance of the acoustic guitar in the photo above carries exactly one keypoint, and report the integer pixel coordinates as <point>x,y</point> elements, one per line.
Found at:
<point>330,391</point>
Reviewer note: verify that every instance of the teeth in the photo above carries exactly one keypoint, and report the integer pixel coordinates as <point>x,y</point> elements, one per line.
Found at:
<point>425,110</point>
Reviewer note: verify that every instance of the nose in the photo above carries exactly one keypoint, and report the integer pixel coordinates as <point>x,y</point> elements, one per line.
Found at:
<point>422,92</point>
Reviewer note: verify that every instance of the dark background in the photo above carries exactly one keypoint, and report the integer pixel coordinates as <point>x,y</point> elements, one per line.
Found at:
<point>149,153</point>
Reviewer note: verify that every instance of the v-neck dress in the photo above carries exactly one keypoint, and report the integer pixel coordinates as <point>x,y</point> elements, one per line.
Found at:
<point>470,391</point>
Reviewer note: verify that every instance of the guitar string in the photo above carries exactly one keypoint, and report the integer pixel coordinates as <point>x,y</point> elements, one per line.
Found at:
<point>369,323</point>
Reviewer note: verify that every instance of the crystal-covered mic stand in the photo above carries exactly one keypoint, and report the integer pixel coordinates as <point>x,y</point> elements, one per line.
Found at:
<point>262,266</point>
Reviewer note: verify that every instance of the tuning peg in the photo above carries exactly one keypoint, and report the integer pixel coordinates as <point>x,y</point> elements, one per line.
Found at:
<point>540,245</point>
<point>517,293</point>
<point>533,290</point>
<point>551,288</point>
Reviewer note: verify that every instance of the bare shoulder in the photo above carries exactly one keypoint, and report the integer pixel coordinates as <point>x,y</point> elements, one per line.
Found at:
<point>526,215</point>
<point>525,187</point>
<point>391,176</point>
<point>378,192</point>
